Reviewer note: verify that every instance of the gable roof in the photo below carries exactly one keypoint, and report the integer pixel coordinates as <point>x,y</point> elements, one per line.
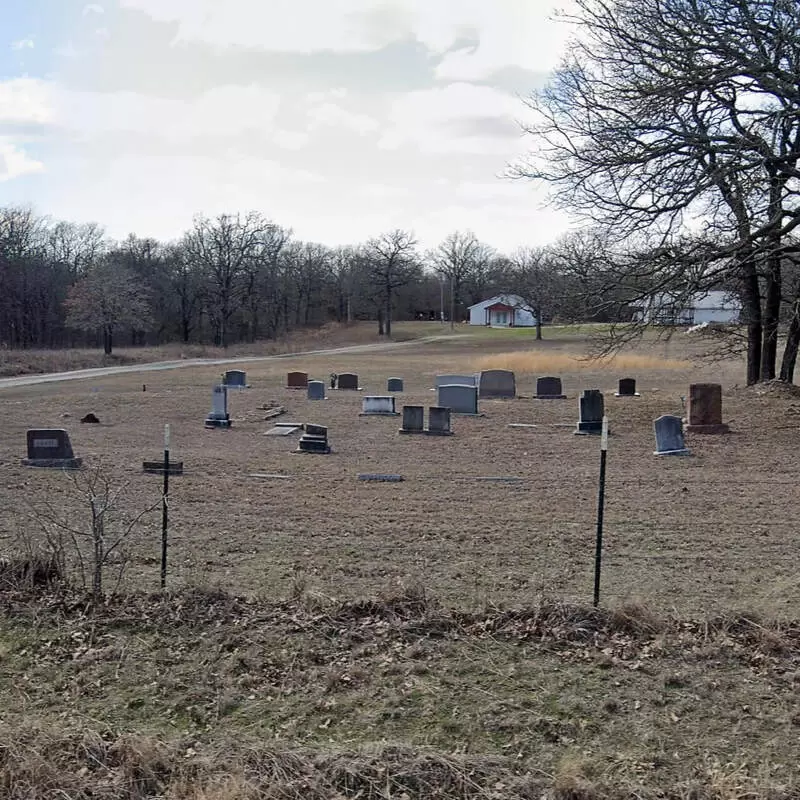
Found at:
<point>513,300</point>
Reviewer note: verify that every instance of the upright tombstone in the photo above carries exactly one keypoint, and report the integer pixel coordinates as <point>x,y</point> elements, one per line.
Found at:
<point>297,380</point>
<point>394,385</point>
<point>413,419</point>
<point>50,448</point>
<point>438,421</point>
<point>591,407</point>
<point>705,409</point>
<point>669,436</point>
<point>452,380</point>
<point>460,399</point>
<point>347,380</point>
<point>627,388</point>
<point>382,406</point>
<point>314,440</point>
<point>316,390</point>
<point>497,383</point>
<point>218,417</point>
<point>236,379</point>
<point>549,388</point>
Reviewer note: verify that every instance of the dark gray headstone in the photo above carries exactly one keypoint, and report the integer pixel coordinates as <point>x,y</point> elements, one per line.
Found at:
<point>452,380</point>
<point>413,419</point>
<point>460,399</point>
<point>497,383</point>
<point>591,408</point>
<point>394,385</point>
<point>378,406</point>
<point>236,379</point>
<point>347,380</point>
<point>669,436</point>
<point>314,440</point>
<point>549,388</point>
<point>627,388</point>
<point>50,448</point>
<point>316,390</point>
<point>297,380</point>
<point>705,409</point>
<point>438,421</point>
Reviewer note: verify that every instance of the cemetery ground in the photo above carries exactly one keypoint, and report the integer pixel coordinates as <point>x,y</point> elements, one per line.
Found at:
<point>323,637</point>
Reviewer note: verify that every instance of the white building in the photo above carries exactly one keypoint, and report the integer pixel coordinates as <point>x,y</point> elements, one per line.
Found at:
<point>668,309</point>
<point>502,311</point>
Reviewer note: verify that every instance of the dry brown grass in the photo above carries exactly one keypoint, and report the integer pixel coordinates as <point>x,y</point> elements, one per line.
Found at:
<point>549,362</point>
<point>31,362</point>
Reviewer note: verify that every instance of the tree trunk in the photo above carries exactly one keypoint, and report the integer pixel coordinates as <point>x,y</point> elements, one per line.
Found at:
<point>751,301</point>
<point>538,325</point>
<point>108,340</point>
<point>792,344</point>
<point>388,313</point>
<point>380,322</point>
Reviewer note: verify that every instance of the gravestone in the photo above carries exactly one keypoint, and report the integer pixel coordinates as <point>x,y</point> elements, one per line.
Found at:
<point>438,421</point>
<point>394,385</point>
<point>314,439</point>
<point>236,379</point>
<point>413,419</point>
<point>627,388</point>
<point>669,436</point>
<point>297,380</point>
<point>382,406</point>
<point>591,410</point>
<point>460,399</point>
<point>50,448</point>
<point>218,417</point>
<point>347,380</point>
<point>549,388</point>
<point>497,383</point>
<point>334,377</point>
<point>316,390</point>
<point>452,380</point>
<point>705,409</point>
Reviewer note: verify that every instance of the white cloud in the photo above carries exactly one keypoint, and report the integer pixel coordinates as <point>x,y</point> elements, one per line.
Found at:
<point>14,162</point>
<point>22,44</point>
<point>25,100</point>
<point>333,115</point>
<point>511,32</point>
<point>220,112</point>
<point>290,140</point>
<point>93,8</point>
<point>459,118</point>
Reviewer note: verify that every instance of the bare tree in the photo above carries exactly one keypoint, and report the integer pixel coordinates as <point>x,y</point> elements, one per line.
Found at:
<point>108,297</point>
<point>392,262</point>
<point>458,258</point>
<point>675,124</point>
<point>225,248</point>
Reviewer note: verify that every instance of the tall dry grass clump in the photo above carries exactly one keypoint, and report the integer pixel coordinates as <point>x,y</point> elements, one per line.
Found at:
<point>543,362</point>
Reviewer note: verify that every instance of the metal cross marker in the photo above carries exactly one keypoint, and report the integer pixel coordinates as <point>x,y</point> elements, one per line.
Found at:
<point>601,496</point>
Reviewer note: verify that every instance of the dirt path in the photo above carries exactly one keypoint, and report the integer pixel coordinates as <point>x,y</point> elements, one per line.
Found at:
<point>101,372</point>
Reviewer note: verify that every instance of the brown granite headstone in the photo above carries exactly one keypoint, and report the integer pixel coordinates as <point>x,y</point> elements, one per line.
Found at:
<point>297,380</point>
<point>705,409</point>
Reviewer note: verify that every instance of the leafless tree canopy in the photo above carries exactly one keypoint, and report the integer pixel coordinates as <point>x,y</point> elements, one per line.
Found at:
<point>674,126</point>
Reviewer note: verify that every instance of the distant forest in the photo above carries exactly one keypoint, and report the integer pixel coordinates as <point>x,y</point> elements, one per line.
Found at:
<point>228,279</point>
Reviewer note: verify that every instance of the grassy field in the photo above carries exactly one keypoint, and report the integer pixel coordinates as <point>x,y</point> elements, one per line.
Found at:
<point>328,638</point>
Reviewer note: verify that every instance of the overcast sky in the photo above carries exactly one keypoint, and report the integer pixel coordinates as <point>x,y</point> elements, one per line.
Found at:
<point>338,118</point>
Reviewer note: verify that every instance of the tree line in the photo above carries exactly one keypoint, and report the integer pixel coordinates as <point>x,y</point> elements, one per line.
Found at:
<point>234,278</point>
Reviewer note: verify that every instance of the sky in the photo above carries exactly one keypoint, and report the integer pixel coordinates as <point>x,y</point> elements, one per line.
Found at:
<point>339,119</point>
